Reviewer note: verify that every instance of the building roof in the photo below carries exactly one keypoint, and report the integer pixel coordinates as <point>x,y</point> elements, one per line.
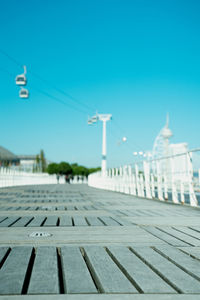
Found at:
<point>26,157</point>
<point>7,155</point>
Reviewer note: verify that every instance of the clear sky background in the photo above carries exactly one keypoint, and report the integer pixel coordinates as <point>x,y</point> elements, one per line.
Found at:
<point>136,59</point>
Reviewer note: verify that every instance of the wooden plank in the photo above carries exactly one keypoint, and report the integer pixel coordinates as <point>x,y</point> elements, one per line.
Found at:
<point>189,231</point>
<point>3,251</point>
<point>94,221</point>
<point>119,213</point>
<point>23,208</point>
<point>123,221</point>
<point>76,276</point>
<point>181,236</point>
<point>164,236</point>
<point>70,207</point>
<point>3,208</point>
<point>13,271</point>
<point>7,222</point>
<point>44,276</point>
<point>196,228</point>
<point>184,261</point>
<point>48,208</point>
<point>65,221</point>
<point>79,221</point>
<point>2,219</point>
<point>14,208</point>
<point>80,207</point>
<point>22,222</point>
<point>109,221</point>
<point>36,222</point>
<point>139,272</point>
<point>60,207</point>
<point>89,207</point>
<point>51,221</point>
<point>107,275</point>
<point>192,251</point>
<point>180,280</point>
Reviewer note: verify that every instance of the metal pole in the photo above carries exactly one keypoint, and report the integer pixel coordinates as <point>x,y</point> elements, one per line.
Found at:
<point>147,176</point>
<point>104,118</point>
<point>103,162</point>
<point>193,198</point>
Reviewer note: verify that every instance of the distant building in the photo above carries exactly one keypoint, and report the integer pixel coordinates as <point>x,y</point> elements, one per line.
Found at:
<point>7,158</point>
<point>27,162</point>
<point>180,162</point>
<point>171,163</point>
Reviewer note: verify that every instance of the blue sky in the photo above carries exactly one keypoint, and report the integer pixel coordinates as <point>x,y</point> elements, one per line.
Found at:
<point>136,59</point>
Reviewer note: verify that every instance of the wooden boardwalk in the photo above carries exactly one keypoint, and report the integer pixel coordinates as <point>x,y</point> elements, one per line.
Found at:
<point>78,243</point>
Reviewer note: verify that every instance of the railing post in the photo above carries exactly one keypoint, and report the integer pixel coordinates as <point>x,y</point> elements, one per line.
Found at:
<point>165,187</point>
<point>173,183</point>
<point>117,181</point>
<point>193,198</point>
<point>182,192</point>
<point>121,179</point>
<point>129,179</point>
<point>159,182</point>
<point>137,180</point>
<point>146,176</point>
<point>133,185</point>
<point>126,178</point>
<point>199,176</point>
<point>142,185</point>
<point>152,186</point>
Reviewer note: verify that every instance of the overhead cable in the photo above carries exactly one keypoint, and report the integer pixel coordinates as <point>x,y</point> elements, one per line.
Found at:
<point>70,97</point>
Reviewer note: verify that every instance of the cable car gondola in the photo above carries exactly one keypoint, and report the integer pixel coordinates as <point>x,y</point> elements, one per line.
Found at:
<point>24,93</point>
<point>90,122</point>
<point>94,119</point>
<point>21,79</point>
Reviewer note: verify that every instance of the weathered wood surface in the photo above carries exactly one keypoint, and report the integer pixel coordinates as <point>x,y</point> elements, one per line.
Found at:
<point>44,275</point>
<point>99,245</point>
<point>76,276</point>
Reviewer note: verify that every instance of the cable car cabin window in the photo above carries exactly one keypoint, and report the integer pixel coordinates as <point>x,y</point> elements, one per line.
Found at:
<point>21,80</point>
<point>24,94</point>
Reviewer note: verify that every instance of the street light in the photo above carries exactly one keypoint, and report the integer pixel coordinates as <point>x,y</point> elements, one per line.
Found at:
<point>104,118</point>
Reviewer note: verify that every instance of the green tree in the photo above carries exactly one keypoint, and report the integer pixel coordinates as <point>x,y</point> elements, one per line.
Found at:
<point>42,161</point>
<point>53,168</point>
<point>80,170</point>
<point>37,167</point>
<point>92,170</point>
<point>64,168</point>
<point>74,165</point>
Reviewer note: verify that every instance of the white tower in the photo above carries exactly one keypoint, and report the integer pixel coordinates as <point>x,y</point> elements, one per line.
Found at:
<point>161,147</point>
<point>104,118</point>
<point>166,133</point>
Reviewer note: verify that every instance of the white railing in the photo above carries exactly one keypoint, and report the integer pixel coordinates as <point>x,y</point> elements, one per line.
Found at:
<point>10,177</point>
<point>169,178</point>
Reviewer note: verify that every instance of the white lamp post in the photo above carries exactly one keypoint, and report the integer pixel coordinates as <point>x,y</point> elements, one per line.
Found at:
<point>104,118</point>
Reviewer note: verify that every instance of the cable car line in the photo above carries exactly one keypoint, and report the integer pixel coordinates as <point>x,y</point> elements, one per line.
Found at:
<point>46,94</point>
<point>119,128</point>
<point>58,100</point>
<point>8,72</point>
<point>11,58</point>
<point>21,80</point>
<point>47,82</point>
<point>61,91</point>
